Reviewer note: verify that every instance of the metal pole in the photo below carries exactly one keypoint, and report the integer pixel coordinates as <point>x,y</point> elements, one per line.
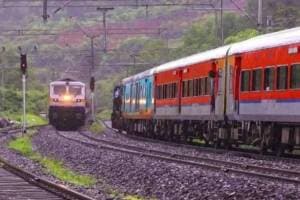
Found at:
<point>45,14</point>
<point>24,102</point>
<point>91,73</point>
<point>2,85</point>
<point>93,106</point>
<point>222,24</point>
<point>105,31</point>
<point>259,14</point>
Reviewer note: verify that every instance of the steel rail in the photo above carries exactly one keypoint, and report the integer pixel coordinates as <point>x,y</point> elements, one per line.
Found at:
<point>244,152</point>
<point>47,185</point>
<point>18,128</point>
<point>214,164</point>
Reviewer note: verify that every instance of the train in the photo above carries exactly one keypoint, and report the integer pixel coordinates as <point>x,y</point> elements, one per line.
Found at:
<point>246,93</point>
<point>67,104</point>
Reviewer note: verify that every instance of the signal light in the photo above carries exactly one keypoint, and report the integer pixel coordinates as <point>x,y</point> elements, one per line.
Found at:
<point>92,84</point>
<point>23,63</point>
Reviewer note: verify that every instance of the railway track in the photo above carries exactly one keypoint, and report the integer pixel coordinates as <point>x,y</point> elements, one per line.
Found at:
<point>16,183</point>
<point>233,151</point>
<point>274,174</point>
<point>16,129</point>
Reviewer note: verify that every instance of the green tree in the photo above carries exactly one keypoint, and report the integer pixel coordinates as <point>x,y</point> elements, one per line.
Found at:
<point>240,36</point>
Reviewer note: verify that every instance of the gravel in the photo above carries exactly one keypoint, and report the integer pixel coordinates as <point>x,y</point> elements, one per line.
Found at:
<point>146,177</point>
<point>280,163</point>
<point>17,159</point>
<point>151,178</point>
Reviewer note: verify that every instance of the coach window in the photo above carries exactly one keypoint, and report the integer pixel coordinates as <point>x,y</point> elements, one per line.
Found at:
<point>168,91</point>
<point>245,86</point>
<point>190,88</point>
<point>184,89</point>
<point>165,91</point>
<point>195,87</point>
<point>295,76</point>
<point>256,80</point>
<point>269,78</point>
<point>175,90</point>
<point>160,92</point>
<point>207,83</point>
<point>202,86</point>
<point>282,73</point>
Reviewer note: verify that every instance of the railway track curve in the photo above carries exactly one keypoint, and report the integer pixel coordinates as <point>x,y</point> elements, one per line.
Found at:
<point>275,174</point>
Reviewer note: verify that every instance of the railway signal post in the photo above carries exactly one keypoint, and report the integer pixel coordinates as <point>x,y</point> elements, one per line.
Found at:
<point>92,88</point>
<point>24,70</point>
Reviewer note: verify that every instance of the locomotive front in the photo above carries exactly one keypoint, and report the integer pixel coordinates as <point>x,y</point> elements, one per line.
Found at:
<point>67,104</point>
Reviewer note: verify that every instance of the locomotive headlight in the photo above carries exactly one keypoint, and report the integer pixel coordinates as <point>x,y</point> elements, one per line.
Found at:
<point>67,98</point>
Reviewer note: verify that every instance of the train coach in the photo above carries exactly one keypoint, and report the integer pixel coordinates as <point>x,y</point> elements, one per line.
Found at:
<point>67,104</point>
<point>244,93</point>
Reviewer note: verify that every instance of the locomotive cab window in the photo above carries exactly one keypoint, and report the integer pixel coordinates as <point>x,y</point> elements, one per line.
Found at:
<point>295,76</point>
<point>245,85</point>
<point>256,80</point>
<point>59,89</point>
<point>282,77</point>
<point>75,90</point>
<point>269,78</point>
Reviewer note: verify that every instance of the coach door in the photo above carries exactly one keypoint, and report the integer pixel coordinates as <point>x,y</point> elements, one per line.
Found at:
<point>237,83</point>
<point>148,93</point>
<point>232,75</point>
<point>179,91</point>
<point>220,89</point>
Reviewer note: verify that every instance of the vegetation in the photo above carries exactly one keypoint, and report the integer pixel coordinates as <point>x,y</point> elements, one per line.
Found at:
<point>96,128</point>
<point>32,119</point>
<point>55,167</point>
<point>243,35</point>
<point>104,114</point>
<point>117,195</point>
<point>104,90</point>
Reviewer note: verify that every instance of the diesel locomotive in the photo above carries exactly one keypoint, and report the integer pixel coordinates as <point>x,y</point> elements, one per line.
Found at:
<point>67,104</point>
<point>244,93</point>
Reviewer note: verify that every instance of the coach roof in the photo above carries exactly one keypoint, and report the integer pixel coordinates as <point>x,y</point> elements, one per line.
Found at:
<point>270,40</point>
<point>285,37</point>
<point>183,62</point>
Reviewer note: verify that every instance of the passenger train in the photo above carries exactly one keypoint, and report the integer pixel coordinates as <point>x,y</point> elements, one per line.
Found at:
<point>244,93</point>
<point>67,104</point>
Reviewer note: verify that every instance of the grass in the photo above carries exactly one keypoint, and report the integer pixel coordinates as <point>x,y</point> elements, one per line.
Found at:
<point>96,128</point>
<point>56,168</point>
<point>116,195</point>
<point>104,114</point>
<point>132,197</point>
<point>32,119</point>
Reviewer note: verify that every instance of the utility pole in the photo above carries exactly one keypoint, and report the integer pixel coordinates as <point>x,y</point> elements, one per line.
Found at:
<point>134,63</point>
<point>104,11</point>
<point>222,24</point>
<point>45,14</point>
<point>2,85</point>
<point>23,66</point>
<point>260,14</point>
<point>92,56</point>
<point>92,79</point>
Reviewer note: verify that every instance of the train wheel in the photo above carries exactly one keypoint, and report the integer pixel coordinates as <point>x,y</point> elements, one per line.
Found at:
<point>280,150</point>
<point>217,144</point>
<point>263,147</point>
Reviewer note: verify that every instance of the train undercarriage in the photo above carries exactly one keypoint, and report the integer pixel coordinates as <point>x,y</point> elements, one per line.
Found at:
<point>66,117</point>
<point>272,137</point>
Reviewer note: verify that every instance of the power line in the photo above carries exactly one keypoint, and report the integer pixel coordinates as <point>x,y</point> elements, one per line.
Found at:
<point>100,3</point>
